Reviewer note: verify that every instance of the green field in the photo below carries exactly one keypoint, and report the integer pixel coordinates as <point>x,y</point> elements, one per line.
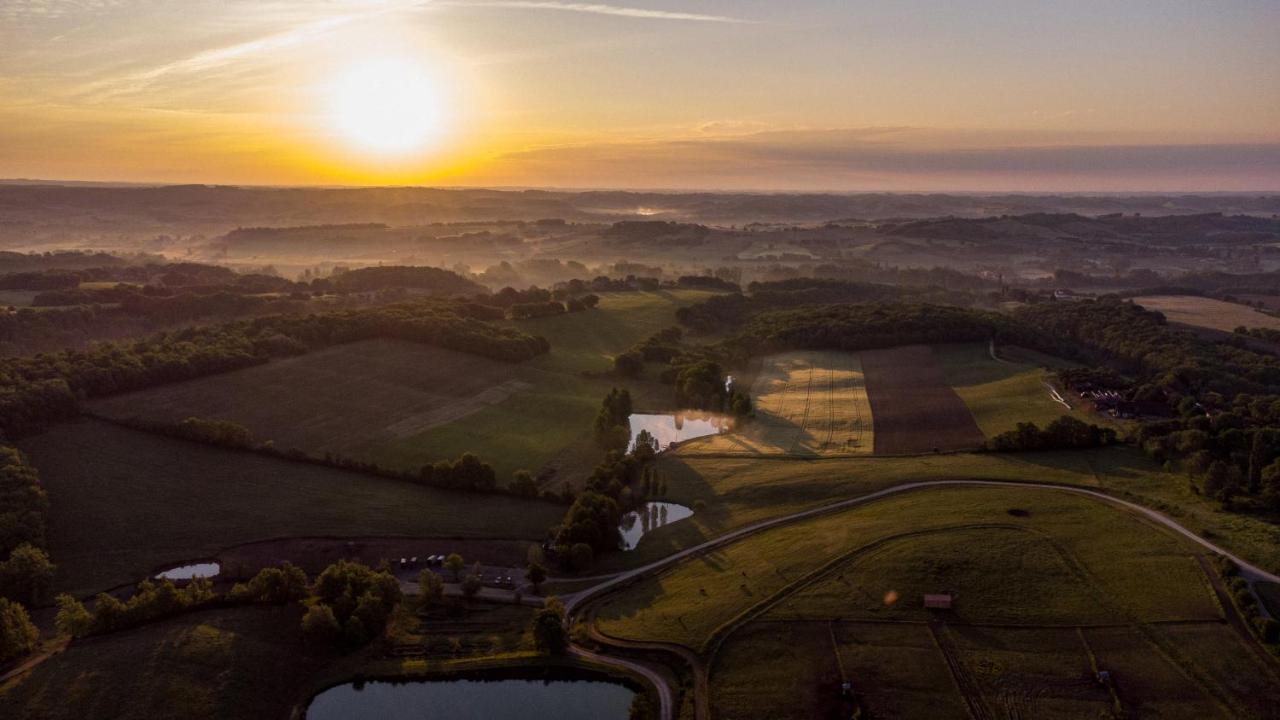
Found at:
<point>1141,572</point>
<point>404,405</point>
<point>206,664</point>
<point>785,615</point>
<point>125,503</point>
<point>1001,394</point>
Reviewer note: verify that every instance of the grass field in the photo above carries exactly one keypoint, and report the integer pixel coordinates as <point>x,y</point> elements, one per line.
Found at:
<point>1002,394</point>
<point>737,491</point>
<point>206,664</point>
<point>1207,312</point>
<point>807,404</point>
<point>404,405</point>
<point>1136,570</point>
<point>126,503</point>
<point>786,614</point>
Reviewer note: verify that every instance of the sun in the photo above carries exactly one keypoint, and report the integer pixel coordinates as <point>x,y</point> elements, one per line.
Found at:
<point>387,106</point>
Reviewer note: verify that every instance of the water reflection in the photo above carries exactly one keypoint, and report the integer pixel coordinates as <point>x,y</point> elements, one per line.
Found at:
<point>188,572</point>
<point>467,699</point>
<point>649,517</point>
<point>668,429</point>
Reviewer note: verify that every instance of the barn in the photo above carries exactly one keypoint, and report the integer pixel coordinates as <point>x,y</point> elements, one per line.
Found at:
<point>937,602</point>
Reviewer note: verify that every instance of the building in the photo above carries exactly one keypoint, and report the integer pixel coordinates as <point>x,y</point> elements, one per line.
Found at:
<point>937,602</point>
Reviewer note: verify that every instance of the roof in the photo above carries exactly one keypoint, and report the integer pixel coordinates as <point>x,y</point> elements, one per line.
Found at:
<point>942,602</point>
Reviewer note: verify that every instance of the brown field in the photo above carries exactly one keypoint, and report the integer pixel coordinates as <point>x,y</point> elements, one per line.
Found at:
<point>807,404</point>
<point>915,410</point>
<point>1207,312</point>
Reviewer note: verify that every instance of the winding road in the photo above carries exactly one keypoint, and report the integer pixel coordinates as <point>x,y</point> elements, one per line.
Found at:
<point>575,602</point>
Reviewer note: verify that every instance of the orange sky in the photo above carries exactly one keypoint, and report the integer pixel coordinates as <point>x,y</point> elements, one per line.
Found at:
<point>717,94</point>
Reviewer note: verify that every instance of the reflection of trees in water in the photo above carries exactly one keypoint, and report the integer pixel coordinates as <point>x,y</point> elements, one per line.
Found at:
<point>655,516</point>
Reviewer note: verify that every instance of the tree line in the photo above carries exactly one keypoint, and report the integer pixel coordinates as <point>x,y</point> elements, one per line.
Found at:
<point>37,390</point>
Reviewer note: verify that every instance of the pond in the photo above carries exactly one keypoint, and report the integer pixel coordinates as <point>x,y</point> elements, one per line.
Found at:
<point>194,570</point>
<point>668,429</point>
<point>650,516</point>
<point>564,698</point>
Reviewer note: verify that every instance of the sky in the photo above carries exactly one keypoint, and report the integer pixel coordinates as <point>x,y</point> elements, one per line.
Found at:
<point>802,95</point>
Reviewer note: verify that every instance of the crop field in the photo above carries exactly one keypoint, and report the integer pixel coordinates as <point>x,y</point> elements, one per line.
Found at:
<point>124,503</point>
<point>915,410</point>
<point>404,405</point>
<point>1031,573</point>
<point>807,404</point>
<point>206,664</point>
<point>1207,312</point>
<point>1001,394</point>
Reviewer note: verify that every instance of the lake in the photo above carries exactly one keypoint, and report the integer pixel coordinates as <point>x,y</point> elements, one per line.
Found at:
<point>187,572</point>
<point>668,429</point>
<point>475,699</point>
<point>649,517</point>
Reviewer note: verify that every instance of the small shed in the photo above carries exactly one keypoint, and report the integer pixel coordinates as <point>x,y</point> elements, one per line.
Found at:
<point>937,602</point>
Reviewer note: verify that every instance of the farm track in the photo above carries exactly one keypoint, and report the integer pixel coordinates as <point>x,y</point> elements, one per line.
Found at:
<point>576,602</point>
<point>965,684</point>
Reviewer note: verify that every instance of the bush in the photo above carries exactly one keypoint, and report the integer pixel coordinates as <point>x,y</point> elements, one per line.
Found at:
<point>277,586</point>
<point>548,627</point>
<point>72,619</point>
<point>18,635</point>
<point>27,575</point>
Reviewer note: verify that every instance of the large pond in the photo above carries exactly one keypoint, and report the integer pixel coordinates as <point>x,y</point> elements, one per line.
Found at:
<point>668,429</point>
<point>475,699</point>
<point>650,516</point>
<point>188,572</point>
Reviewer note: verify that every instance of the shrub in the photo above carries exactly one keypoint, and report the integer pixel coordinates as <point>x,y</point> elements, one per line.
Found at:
<point>18,635</point>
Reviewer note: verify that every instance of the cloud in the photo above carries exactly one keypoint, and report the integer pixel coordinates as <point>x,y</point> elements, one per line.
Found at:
<point>600,9</point>
<point>894,159</point>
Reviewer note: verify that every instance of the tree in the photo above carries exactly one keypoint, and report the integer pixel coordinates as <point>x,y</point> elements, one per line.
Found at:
<point>26,575</point>
<point>628,364</point>
<point>432,588</point>
<point>455,565</point>
<point>581,556</point>
<point>319,623</point>
<point>471,586</point>
<point>535,574</point>
<point>73,619</point>
<point>18,635</point>
<point>549,634</point>
<point>523,484</point>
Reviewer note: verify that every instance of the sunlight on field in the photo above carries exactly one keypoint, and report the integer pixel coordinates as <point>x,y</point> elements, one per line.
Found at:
<point>1207,312</point>
<point>807,404</point>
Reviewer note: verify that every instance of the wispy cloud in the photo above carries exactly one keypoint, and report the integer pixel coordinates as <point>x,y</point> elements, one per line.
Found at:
<point>601,9</point>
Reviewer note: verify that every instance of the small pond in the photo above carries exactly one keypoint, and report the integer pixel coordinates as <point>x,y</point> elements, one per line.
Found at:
<point>650,516</point>
<point>668,429</point>
<point>475,699</point>
<point>194,570</point>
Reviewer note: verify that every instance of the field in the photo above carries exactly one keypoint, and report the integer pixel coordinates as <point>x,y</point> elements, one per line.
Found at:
<point>812,404</point>
<point>126,503</point>
<point>1001,394</point>
<point>207,664</point>
<point>404,405</point>
<point>915,410</point>
<point>783,616</point>
<point>807,404</point>
<point>1207,312</point>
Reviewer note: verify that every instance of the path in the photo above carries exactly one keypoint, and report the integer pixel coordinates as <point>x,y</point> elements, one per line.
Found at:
<point>575,601</point>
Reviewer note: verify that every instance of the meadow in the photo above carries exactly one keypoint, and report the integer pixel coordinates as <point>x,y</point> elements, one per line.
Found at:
<point>1207,312</point>
<point>125,504</point>
<point>403,405</point>
<point>784,616</point>
<point>1003,393</point>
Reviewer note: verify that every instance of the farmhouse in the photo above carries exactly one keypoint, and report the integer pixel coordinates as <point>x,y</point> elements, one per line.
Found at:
<point>937,602</point>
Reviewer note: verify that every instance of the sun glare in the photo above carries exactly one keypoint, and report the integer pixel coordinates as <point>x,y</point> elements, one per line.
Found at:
<point>389,107</point>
